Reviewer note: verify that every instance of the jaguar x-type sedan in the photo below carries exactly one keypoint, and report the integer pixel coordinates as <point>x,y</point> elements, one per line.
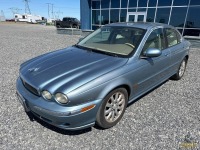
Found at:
<point>93,81</point>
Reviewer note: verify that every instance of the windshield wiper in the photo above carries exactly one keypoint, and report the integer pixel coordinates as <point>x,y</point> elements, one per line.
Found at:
<point>83,47</point>
<point>96,50</point>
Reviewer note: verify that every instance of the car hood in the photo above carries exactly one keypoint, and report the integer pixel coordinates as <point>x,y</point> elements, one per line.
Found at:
<point>67,69</point>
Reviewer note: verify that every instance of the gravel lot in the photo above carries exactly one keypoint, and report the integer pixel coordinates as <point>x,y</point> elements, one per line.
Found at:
<point>167,118</point>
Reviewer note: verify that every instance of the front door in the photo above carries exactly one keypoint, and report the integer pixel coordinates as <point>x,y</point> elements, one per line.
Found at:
<point>136,16</point>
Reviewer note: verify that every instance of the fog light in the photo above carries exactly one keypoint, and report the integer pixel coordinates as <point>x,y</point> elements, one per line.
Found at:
<point>61,98</point>
<point>46,95</point>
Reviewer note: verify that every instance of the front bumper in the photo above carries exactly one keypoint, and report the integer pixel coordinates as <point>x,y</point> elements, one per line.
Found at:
<point>64,117</point>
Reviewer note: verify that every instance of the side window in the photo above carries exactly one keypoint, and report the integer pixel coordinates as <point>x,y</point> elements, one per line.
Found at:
<point>155,40</point>
<point>178,36</point>
<point>171,37</point>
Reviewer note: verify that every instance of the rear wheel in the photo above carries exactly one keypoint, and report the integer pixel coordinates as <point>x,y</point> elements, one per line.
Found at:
<point>181,70</point>
<point>112,108</point>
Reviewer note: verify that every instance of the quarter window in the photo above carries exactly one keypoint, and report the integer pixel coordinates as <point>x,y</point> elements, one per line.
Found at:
<point>172,38</point>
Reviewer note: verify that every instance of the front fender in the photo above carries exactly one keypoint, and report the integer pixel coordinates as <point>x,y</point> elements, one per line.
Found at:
<point>97,89</point>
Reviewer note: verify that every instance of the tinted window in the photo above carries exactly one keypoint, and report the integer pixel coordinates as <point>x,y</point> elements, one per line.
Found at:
<point>152,3</point>
<point>193,19</point>
<point>162,15</point>
<point>155,40</point>
<point>96,17</point>
<point>142,3</point>
<point>105,3</point>
<point>180,2</point>
<point>132,3</point>
<point>194,2</point>
<point>124,3</point>
<point>178,16</point>
<point>164,2</point>
<point>150,15</point>
<point>171,37</point>
<point>114,15</point>
<point>123,15</point>
<point>95,4</point>
<point>105,17</point>
<point>115,3</point>
<point>142,10</point>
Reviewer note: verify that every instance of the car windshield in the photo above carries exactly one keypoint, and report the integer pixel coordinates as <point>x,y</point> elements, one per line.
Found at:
<point>114,40</point>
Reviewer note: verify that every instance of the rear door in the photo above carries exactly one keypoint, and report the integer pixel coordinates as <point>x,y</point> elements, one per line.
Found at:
<point>175,47</point>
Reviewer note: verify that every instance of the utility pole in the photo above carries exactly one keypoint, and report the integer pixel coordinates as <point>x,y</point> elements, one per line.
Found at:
<point>58,14</point>
<point>52,11</point>
<point>48,10</point>
<point>27,8</point>
<point>2,16</point>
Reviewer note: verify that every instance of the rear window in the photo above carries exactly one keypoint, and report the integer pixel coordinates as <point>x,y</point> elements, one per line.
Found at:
<point>172,37</point>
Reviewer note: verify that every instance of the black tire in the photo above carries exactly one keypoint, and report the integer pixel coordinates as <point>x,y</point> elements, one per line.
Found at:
<point>58,26</point>
<point>75,26</point>
<point>112,108</point>
<point>180,71</point>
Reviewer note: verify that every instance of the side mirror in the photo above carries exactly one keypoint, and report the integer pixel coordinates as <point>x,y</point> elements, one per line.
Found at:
<point>152,52</point>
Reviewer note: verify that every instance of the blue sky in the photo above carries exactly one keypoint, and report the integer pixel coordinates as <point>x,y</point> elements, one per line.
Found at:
<point>39,7</point>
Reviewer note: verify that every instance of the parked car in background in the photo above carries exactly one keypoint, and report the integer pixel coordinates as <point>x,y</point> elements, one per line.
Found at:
<point>68,22</point>
<point>93,81</point>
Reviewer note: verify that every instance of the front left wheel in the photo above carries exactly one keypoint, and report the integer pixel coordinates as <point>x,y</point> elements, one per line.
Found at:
<point>112,108</point>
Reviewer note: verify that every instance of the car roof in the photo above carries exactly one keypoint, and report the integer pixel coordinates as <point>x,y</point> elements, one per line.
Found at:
<point>142,25</point>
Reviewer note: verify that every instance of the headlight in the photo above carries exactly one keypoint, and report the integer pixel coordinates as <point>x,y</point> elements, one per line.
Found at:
<point>61,98</point>
<point>46,95</point>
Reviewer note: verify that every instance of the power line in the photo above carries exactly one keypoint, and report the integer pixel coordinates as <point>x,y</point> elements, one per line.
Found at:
<point>15,10</point>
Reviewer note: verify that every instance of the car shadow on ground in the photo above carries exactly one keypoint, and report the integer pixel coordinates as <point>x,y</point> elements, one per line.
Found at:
<point>56,129</point>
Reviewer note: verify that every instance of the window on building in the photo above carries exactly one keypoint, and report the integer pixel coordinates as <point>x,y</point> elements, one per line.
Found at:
<point>155,40</point>
<point>152,3</point>
<point>150,14</point>
<point>178,16</point>
<point>96,17</point>
<point>132,3</point>
<point>194,2</point>
<point>141,9</point>
<point>114,15</point>
<point>180,3</point>
<point>193,19</point>
<point>124,3</point>
<point>162,15</point>
<point>131,10</point>
<point>115,3</point>
<point>164,2</point>
<point>105,17</point>
<point>142,3</point>
<point>172,38</point>
<point>105,4</point>
<point>123,15</point>
<point>95,4</point>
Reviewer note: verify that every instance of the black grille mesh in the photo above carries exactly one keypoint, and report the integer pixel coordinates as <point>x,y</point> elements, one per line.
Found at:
<point>30,88</point>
